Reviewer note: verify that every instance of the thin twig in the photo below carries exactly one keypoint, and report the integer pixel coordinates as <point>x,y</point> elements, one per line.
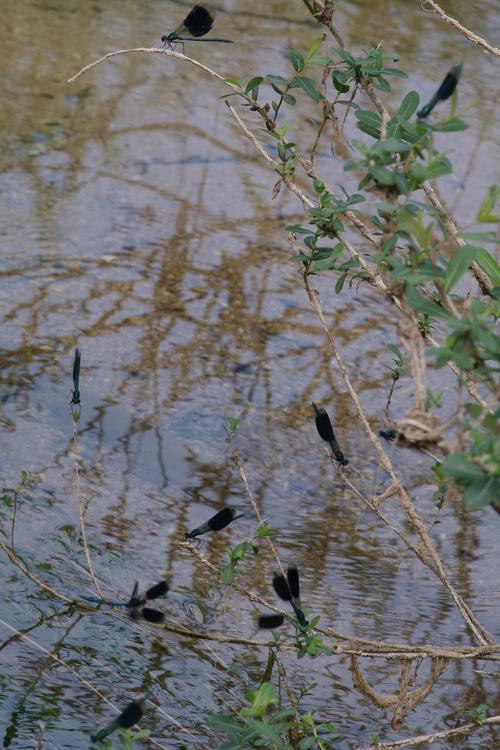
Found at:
<point>157,51</point>
<point>470,35</point>
<point>81,510</point>
<point>19,563</point>
<point>426,738</point>
<point>13,525</point>
<point>243,475</point>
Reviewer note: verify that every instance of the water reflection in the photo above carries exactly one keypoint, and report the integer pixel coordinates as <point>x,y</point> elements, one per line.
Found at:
<point>138,226</point>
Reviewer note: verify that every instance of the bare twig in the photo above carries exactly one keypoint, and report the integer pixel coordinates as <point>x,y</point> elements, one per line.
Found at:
<point>19,563</point>
<point>256,510</point>
<point>81,511</point>
<point>427,738</point>
<point>463,30</point>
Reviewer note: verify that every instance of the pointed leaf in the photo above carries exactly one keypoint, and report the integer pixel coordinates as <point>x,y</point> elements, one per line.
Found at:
<point>488,264</point>
<point>458,265</point>
<point>409,105</point>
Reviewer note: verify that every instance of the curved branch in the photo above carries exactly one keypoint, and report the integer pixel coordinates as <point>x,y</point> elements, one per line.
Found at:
<point>463,30</point>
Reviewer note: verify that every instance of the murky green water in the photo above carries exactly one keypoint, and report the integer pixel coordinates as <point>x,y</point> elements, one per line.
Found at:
<point>137,224</point>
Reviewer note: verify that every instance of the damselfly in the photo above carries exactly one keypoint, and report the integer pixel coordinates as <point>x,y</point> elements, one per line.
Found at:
<point>325,430</point>
<point>131,715</point>
<point>197,23</point>
<point>287,589</point>
<point>444,92</point>
<point>221,519</point>
<point>135,606</point>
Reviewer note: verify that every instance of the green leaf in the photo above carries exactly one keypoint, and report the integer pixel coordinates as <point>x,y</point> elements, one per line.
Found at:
<point>369,122</point>
<point>340,283</point>
<point>485,213</point>
<point>345,56</point>
<point>481,492</point>
<point>253,84</point>
<point>488,264</point>
<point>382,84</point>
<point>297,229</point>
<point>267,730</point>
<point>224,724</point>
<point>314,48</point>
<point>409,105</point>
<point>395,144</point>
<point>457,467</point>
<point>481,236</point>
<point>228,574</point>
<point>298,61</point>
<point>396,72</point>
<point>320,60</point>
<point>452,125</point>
<point>437,168</point>
<point>401,183</point>
<point>474,410</point>
<point>338,82</point>
<point>277,80</point>
<point>382,175</point>
<point>418,303</point>
<point>458,265</point>
<point>260,700</point>
<point>308,85</point>
<point>265,530</point>
<point>307,742</point>
<point>397,353</point>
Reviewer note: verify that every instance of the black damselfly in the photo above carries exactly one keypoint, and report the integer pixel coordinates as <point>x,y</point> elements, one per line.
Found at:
<point>75,393</point>
<point>325,430</point>
<point>197,23</point>
<point>131,715</point>
<point>444,92</point>
<point>287,589</point>
<point>135,606</point>
<point>221,519</point>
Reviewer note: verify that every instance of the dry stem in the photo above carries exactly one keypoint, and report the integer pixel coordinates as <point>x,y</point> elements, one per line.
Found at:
<point>427,738</point>
<point>81,510</point>
<point>463,30</point>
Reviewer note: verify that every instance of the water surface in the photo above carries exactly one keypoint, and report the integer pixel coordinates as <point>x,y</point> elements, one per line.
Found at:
<point>137,224</point>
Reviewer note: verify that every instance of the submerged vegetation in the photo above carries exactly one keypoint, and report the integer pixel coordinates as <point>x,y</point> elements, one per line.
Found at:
<point>387,227</point>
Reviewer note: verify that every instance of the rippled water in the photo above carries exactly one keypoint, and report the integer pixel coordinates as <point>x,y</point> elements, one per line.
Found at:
<point>137,224</point>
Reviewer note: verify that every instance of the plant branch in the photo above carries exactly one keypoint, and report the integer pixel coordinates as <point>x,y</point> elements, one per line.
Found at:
<point>427,738</point>
<point>463,30</point>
